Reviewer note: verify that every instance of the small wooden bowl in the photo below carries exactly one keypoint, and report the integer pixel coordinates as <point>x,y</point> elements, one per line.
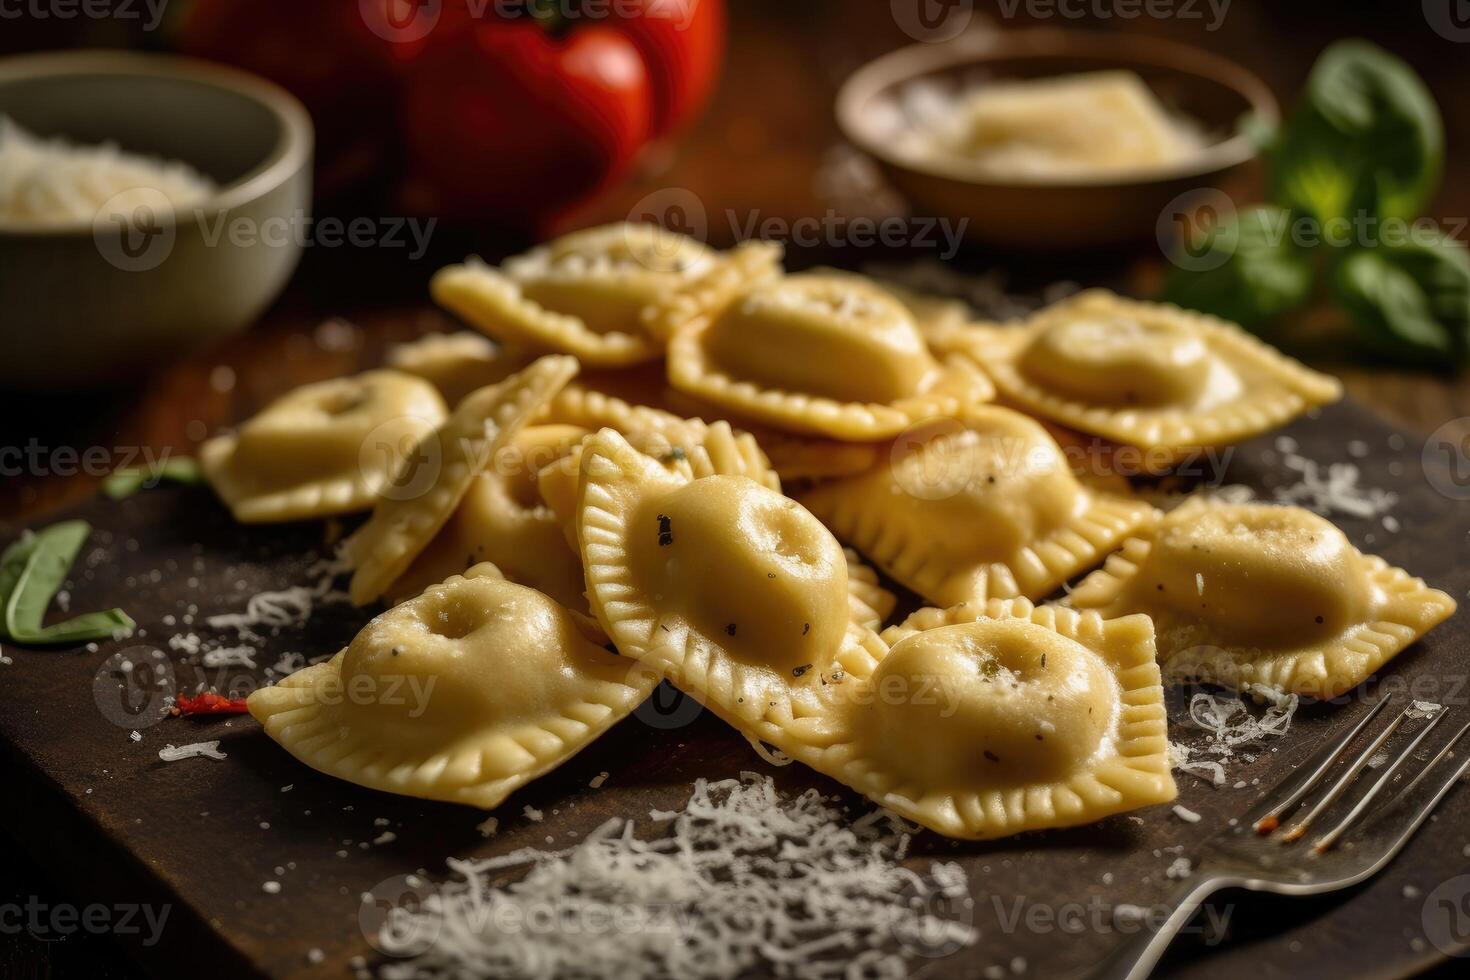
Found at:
<point>1050,213</point>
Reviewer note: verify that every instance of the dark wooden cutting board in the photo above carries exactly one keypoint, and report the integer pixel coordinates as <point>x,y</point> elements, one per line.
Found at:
<point>116,825</point>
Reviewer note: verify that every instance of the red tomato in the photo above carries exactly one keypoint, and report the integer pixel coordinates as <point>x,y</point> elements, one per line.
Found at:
<point>682,42</point>
<point>508,121</point>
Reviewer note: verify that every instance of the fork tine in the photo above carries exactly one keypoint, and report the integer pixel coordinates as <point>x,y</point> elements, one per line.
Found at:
<point>1328,839</point>
<point>1272,820</point>
<point>1439,756</point>
<point>1345,780</point>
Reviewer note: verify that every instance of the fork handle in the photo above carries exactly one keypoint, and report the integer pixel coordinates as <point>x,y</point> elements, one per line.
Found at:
<point>1135,958</point>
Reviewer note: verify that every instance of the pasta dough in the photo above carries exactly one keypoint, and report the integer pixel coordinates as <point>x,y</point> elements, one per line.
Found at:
<point>440,470</point>
<point>1258,594</point>
<point>582,294</point>
<point>322,449</point>
<point>983,507</point>
<point>463,694</point>
<point>1150,375</point>
<point>737,595</point>
<point>830,355</point>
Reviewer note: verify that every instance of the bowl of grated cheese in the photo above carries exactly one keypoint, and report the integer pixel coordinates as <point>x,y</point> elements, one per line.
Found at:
<point>1050,139</point>
<point>148,206</point>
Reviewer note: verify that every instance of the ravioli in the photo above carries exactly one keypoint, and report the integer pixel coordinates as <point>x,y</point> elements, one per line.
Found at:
<point>1150,375</point>
<point>464,694</point>
<point>503,520</point>
<point>983,721</point>
<point>687,447</point>
<point>737,595</point>
<point>1259,594</point>
<point>582,294</point>
<point>733,584</point>
<point>322,449</point>
<point>455,363</point>
<point>439,471</point>
<point>986,506</point>
<point>827,355</point>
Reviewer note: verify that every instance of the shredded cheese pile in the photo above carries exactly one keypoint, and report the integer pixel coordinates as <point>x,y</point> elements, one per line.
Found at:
<point>53,182</point>
<point>1231,730</point>
<point>746,878</point>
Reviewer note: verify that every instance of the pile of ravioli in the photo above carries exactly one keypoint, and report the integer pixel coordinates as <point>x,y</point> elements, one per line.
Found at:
<point>674,463</point>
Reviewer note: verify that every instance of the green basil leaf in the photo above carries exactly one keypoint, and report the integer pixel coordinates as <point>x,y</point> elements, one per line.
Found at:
<point>51,554</point>
<point>1366,139</point>
<point>12,564</point>
<point>123,483</point>
<point>1410,300</point>
<point>83,629</point>
<point>1246,269</point>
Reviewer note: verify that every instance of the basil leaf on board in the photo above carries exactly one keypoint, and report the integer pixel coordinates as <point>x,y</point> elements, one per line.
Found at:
<point>48,560</point>
<point>1366,139</point>
<point>1411,300</point>
<point>12,563</point>
<point>123,483</point>
<point>1245,269</point>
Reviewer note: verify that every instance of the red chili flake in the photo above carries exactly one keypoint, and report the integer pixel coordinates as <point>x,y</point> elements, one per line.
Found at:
<point>207,704</point>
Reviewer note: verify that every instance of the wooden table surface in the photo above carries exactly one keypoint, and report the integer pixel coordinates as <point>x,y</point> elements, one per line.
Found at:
<point>767,149</point>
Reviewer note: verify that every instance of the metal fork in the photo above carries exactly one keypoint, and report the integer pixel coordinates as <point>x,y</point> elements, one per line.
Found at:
<point>1251,854</point>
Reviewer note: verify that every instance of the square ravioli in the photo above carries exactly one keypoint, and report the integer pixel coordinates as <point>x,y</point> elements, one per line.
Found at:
<point>1149,375</point>
<point>440,469</point>
<point>1260,594</point>
<point>584,294</point>
<point>738,596</point>
<point>819,354</point>
<point>986,720</point>
<point>462,694</point>
<point>985,506</point>
<point>322,449</point>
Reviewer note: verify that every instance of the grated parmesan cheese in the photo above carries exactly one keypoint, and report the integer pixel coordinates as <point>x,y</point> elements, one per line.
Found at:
<point>172,753</point>
<point>1188,816</point>
<point>1230,728</point>
<point>747,880</point>
<point>50,182</point>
